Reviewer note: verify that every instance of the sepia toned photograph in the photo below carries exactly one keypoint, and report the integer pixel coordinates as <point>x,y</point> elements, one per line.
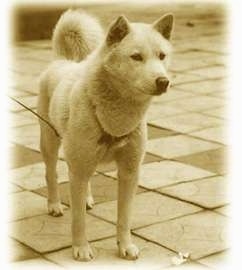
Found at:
<point>118,141</point>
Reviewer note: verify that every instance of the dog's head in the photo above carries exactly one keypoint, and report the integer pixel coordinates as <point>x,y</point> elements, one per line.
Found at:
<point>136,56</point>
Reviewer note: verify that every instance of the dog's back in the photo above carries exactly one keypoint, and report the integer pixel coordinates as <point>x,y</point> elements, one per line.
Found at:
<point>75,36</point>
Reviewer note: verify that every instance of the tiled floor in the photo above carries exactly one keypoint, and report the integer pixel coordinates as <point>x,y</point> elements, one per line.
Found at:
<point>181,203</point>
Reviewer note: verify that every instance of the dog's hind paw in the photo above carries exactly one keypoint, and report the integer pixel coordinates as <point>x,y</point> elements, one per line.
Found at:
<point>82,253</point>
<point>128,252</point>
<point>55,209</point>
<point>90,202</point>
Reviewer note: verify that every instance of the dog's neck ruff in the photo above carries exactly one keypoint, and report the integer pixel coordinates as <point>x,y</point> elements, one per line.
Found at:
<point>109,139</point>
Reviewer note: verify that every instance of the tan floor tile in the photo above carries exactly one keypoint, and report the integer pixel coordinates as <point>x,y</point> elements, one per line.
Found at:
<point>28,66</point>
<point>179,78</point>
<point>28,136</point>
<point>20,252</point>
<point>30,115</point>
<point>159,174</point>
<point>18,120</point>
<point>171,94</point>
<point>105,251</point>
<point>157,111</point>
<point>14,107</point>
<point>177,146</point>
<point>216,134</point>
<point>157,132</point>
<point>21,156</point>
<point>186,122</point>
<point>217,261</point>
<point>225,210</point>
<point>213,160</point>
<point>23,52</point>
<point>180,63</point>
<point>190,55</point>
<point>211,72</point>
<point>222,95</point>
<point>12,92</point>
<point>199,234</point>
<point>26,204</point>
<point>103,189</point>
<point>36,264</point>
<point>217,112</point>
<point>198,103</point>
<point>29,101</point>
<point>108,167</point>
<point>33,176</point>
<point>27,83</point>
<point>205,87</point>
<point>37,44</point>
<point>157,208</point>
<point>208,193</point>
<point>215,47</point>
<point>13,188</point>
<point>46,233</point>
<point>188,266</point>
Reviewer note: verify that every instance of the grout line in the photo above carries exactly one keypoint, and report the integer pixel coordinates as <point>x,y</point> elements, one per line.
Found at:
<point>170,219</point>
<point>189,181</point>
<point>191,136</point>
<point>188,70</point>
<point>189,202</point>
<point>25,245</point>
<point>154,242</point>
<point>213,253</point>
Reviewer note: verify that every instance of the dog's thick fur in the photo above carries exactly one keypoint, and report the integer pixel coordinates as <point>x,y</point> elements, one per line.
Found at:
<point>96,94</point>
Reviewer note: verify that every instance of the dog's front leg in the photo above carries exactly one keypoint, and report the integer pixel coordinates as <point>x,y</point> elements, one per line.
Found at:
<point>129,159</point>
<point>127,188</point>
<point>79,186</point>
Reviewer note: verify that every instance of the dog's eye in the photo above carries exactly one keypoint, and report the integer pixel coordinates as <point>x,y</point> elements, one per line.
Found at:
<point>137,57</point>
<point>162,56</point>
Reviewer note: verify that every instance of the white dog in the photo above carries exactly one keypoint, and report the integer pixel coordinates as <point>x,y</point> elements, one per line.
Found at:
<point>96,95</point>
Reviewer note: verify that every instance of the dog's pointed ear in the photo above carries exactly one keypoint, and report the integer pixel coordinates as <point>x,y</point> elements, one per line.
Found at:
<point>118,30</point>
<point>164,25</point>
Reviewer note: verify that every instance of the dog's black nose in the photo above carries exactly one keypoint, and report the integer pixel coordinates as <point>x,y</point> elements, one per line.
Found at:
<point>161,85</point>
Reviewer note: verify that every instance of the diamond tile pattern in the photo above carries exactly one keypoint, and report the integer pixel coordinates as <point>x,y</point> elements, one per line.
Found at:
<point>103,189</point>
<point>208,193</point>
<point>45,233</point>
<point>200,234</point>
<point>186,122</point>
<point>212,160</point>
<point>158,174</point>
<point>157,208</point>
<point>105,254</point>
<point>26,204</point>
<point>177,146</point>
<point>33,176</point>
<point>184,170</point>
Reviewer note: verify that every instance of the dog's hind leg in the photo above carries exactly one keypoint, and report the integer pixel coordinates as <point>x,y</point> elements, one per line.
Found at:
<point>90,200</point>
<point>49,144</point>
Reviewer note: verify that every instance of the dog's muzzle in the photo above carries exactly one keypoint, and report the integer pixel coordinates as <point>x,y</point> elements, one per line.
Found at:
<point>162,84</point>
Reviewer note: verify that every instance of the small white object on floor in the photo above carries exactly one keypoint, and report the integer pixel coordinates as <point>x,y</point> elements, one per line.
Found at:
<point>181,258</point>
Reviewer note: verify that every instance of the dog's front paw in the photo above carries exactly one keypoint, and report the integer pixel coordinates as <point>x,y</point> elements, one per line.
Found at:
<point>90,202</point>
<point>55,209</point>
<point>128,251</point>
<point>82,253</point>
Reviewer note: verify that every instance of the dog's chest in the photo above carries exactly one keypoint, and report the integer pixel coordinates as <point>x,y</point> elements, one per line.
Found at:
<point>120,119</point>
<point>108,145</point>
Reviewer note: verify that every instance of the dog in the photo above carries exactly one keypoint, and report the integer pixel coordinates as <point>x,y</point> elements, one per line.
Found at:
<point>95,94</point>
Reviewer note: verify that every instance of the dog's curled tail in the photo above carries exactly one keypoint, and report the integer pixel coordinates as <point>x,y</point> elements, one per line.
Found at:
<point>76,34</point>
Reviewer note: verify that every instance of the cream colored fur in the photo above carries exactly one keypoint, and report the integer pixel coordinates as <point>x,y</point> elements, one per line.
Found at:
<point>98,107</point>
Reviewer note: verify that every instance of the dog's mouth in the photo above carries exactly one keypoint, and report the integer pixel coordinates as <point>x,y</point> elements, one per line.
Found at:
<point>157,92</point>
